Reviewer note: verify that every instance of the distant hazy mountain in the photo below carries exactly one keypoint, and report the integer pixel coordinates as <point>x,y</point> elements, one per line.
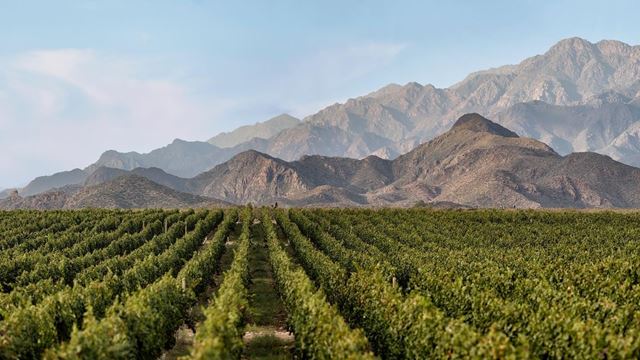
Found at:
<point>602,78</point>
<point>183,158</point>
<point>44,183</point>
<point>605,124</point>
<point>262,130</point>
<point>180,158</point>
<point>578,96</point>
<point>573,72</point>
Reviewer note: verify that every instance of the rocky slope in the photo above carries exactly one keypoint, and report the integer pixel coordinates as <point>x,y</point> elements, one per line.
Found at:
<point>573,72</point>
<point>259,178</point>
<point>48,200</point>
<point>476,163</point>
<point>607,124</point>
<point>128,191</point>
<point>495,168</point>
<point>135,191</point>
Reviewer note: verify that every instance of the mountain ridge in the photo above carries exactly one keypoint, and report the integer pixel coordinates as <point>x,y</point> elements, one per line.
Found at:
<point>261,130</point>
<point>476,163</point>
<point>592,89</point>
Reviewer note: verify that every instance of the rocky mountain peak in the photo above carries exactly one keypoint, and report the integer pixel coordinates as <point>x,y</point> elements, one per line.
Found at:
<point>414,85</point>
<point>251,155</point>
<point>573,44</point>
<point>478,123</point>
<point>614,46</point>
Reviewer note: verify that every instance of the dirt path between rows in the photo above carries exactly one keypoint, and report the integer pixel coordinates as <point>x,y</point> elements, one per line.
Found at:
<point>266,335</point>
<point>185,335</point>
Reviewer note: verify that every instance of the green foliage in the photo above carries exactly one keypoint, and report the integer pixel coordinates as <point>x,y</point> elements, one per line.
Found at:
<point>56,315</point>
<point>106,339</point>
<point>147,319</point>
<point>196,274</point>
<point>411,283</point>
<point>141,327</point>
<point>369,301</point>
<point>220,335</point>
<point>514,283</point>
<point>320,331</point>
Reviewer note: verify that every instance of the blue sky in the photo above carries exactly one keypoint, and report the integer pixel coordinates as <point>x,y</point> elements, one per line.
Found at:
<point>81,77</point>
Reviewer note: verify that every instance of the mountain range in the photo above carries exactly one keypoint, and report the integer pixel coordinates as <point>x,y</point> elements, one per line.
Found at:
<point>576,97</point>
<point>477,163</point>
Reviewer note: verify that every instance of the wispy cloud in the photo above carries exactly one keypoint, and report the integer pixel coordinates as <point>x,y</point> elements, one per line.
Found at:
<point>338,66</point>
<point>318,79</point>
<point>62,108</point>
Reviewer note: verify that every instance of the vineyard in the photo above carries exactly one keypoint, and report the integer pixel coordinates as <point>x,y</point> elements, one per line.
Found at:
<point>319,283</point>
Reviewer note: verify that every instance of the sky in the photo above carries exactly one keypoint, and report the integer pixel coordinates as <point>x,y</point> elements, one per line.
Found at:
<point>81,77</point>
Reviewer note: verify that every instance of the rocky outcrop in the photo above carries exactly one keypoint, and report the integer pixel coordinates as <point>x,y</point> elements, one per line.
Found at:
<point>251,177</point>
